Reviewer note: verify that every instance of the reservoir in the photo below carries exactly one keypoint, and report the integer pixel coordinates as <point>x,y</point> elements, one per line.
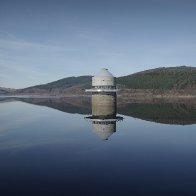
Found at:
<point>49,147</point>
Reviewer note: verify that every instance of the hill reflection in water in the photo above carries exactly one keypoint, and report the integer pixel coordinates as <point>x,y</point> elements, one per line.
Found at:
<point>166,113</point>
<point>179,112</point>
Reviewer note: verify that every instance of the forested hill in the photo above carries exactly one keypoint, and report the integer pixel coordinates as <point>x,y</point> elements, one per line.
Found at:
<point>161,78</point>
<point>172,78</point>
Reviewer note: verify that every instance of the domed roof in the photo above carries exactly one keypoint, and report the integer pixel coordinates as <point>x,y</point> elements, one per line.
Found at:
<point>104,73</point>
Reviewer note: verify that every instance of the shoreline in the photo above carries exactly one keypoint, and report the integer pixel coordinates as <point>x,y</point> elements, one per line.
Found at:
<point>140,95</point>
<point>123,98</point>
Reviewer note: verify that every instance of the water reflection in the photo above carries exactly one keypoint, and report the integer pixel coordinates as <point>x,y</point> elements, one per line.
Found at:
<point>103,116</point>
<point>179,112</point>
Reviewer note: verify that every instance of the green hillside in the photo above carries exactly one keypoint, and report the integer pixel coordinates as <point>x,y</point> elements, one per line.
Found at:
<point>161,78</point>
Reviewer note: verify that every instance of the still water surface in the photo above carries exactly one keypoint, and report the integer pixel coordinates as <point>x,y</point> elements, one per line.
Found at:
<point>48,149</point>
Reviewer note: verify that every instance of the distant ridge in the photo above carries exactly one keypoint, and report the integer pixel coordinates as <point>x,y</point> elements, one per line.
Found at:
<point>181,79</point>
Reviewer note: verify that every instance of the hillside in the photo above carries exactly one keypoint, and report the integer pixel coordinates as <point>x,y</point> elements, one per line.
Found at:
<point>63,86</point>
<point>161,78</point>
<point>171,80</point>
<point>6,90</point>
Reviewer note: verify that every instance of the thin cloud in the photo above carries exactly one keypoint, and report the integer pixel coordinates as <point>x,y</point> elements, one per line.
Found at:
<point>23,45</point>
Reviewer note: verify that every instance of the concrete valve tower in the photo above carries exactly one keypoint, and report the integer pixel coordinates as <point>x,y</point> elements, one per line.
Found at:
<point>103,104</point>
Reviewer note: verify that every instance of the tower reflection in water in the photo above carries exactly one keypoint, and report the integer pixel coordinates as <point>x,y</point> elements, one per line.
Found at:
<point>104,114</point>
<point>104,104</point>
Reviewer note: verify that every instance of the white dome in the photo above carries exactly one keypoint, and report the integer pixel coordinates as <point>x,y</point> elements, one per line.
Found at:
<point>104,73</point>
<point>104,79</point>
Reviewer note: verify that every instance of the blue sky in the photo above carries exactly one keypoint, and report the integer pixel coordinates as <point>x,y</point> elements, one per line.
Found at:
<point>42,41</point>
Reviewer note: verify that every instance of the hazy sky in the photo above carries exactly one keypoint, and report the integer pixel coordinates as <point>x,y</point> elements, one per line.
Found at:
<point>45,40</point>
